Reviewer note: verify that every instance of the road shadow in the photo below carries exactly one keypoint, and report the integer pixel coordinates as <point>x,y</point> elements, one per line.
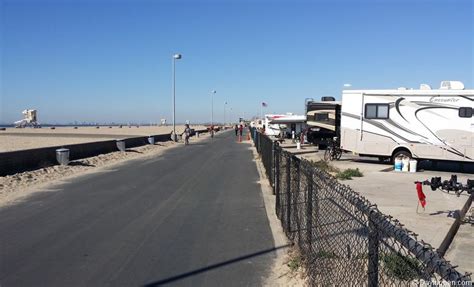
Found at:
<point>449,213</point>
<point>423,165</point>
<point>78,163</point>
<point>213,266</point>
<point>447,166</point>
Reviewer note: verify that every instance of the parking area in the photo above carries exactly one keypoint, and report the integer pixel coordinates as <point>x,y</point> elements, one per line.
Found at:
<point>395,194</point>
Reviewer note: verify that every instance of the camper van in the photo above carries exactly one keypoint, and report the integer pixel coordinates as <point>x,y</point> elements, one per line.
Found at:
<point>282,125</point>
<point>425,123</point>
<point>323,119</point>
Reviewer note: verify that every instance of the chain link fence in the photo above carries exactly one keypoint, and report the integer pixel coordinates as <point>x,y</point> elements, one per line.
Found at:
<point>344,239</point>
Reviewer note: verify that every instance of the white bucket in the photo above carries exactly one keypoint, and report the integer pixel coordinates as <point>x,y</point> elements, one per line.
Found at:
<point>405,164</point>
<point>413,164</point>
<point>298,145</point>
<point>398,164</point>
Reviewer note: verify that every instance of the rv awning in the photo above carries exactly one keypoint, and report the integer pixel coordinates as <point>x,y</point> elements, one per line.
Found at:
<point>287,119</point>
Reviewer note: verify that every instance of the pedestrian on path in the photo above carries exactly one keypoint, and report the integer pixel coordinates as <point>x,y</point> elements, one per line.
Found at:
<point>211,130</point>
<point>241,129</point>
<point>236,128</point>
<point>187,134</point>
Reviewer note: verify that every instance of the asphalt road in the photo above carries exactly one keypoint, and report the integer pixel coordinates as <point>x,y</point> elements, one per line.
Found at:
<point>191,217</point>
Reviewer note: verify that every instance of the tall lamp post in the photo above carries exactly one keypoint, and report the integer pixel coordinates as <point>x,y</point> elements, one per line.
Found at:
<point>175,57</point>
<point>212,107</point>
<point>225,104</point>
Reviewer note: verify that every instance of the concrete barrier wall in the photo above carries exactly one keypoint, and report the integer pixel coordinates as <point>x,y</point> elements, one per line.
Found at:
<point>24,160</point>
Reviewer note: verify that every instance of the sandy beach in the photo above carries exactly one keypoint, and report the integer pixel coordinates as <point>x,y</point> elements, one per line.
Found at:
<point>13,139</point>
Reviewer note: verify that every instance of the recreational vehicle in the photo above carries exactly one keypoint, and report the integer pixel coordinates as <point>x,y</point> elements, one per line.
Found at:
<point>425,123</point>
<point>323,120</point>
<point>282,126</point>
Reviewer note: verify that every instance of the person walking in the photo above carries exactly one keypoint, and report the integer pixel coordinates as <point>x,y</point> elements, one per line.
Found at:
<point>187,134</point>
<point>241,129</point>
<point>211,130</point>
<point>236,128</point>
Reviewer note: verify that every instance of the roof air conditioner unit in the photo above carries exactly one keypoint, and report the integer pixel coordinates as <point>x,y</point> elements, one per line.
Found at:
<point>451,85</point>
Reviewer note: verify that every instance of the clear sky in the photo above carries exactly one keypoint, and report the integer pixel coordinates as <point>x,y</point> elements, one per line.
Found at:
<point>105,60</point>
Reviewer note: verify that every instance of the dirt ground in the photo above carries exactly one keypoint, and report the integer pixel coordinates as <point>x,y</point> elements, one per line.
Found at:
<point>395,194</point>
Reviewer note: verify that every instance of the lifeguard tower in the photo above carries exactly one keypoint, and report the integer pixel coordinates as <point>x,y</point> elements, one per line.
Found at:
<point>30,118</point>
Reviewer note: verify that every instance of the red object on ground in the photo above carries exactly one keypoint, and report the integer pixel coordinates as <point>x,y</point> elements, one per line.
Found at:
<point>421,195</point>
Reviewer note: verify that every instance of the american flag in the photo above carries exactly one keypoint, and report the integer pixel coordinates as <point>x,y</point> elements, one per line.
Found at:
<point>264,104</point>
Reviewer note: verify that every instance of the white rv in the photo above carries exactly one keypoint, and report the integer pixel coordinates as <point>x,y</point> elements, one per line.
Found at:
<point>282,125</point>
<point>427,123</point>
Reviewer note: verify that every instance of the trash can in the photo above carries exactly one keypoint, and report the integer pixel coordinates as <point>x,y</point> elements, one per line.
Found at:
<point>405,164</point>
<point>62,156</point>
<point>413,164</point>
<point>197,134</point>
<point>121,145</point>
<point>151,140</point>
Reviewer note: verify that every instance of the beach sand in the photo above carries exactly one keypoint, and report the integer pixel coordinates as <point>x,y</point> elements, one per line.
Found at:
<point>28,138</point>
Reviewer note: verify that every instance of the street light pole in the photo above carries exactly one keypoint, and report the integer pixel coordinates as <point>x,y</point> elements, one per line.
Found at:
<point>175,57</point>
<point>225,104</point>
<point>212,107</point>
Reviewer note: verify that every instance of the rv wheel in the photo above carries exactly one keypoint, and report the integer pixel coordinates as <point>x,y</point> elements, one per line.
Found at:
<point>401,153</point>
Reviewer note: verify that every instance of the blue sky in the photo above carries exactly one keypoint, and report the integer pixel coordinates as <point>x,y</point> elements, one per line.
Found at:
<point>110,61</point>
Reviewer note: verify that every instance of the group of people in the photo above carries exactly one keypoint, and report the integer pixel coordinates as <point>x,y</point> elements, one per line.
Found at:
<point>238,129</point>
<point>187,132</point>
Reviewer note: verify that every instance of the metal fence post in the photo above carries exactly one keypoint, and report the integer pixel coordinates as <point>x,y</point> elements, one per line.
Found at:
<point>373,272</point>
<point>309,211</point>
<point>272,167</point>
<point>295,194</point>
<point>276,186</point>
<point>288,193</point>
<point>259,142</point>
<point>257,135</point>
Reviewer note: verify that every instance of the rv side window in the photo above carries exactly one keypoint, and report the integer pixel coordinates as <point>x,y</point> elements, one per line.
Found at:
<point>465,112</point>
<point>321,117</point>
<point>376,111</point>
